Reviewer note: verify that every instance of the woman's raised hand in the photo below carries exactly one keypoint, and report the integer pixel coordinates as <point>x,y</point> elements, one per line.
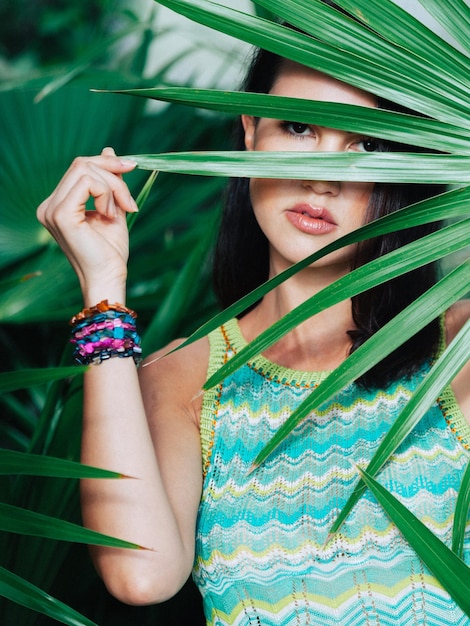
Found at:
<point>95,242</point>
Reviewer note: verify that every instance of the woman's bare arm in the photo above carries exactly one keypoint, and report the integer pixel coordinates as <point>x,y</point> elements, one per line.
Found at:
<point>146,429</point>
<point>153,437</point>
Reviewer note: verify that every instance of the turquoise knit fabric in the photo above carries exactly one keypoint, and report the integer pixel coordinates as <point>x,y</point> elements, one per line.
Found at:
<point>261,551</point>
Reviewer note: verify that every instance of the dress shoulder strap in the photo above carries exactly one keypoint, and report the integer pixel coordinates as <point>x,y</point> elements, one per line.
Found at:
<point>218,355</point>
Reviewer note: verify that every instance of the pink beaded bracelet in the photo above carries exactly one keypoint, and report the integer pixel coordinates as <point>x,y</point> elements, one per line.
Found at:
<point>105,331</point>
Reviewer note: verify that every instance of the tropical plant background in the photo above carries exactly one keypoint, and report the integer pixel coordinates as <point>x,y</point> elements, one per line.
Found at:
<point>50,59</point>
<point>52,54</point>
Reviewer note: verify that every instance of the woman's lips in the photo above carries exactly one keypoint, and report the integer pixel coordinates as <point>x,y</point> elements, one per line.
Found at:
<point>310,219</point>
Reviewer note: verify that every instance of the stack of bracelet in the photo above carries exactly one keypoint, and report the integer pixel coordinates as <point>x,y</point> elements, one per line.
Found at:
<point>105,331</point>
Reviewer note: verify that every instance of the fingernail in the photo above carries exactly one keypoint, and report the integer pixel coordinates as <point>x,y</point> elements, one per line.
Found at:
<point>128,163</point>
<point>134,206</point>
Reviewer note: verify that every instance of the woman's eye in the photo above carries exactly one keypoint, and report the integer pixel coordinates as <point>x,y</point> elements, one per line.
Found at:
<point>296,128</point>
<point>369,145</point>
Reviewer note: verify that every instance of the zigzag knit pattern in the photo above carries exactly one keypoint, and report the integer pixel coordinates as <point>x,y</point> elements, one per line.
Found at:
<point>261,552</point>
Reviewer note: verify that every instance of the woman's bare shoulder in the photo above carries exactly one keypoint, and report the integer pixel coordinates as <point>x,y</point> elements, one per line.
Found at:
<point>456,317</point>
<point>174,376</point>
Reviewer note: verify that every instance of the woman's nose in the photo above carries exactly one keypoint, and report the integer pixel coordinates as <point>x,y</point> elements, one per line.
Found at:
<point>322,187</point>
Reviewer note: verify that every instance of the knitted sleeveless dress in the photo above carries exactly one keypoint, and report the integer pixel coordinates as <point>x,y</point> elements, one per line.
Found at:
<point>261,552</point>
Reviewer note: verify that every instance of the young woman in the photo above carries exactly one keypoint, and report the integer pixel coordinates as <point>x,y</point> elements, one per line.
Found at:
<point>257,541</point>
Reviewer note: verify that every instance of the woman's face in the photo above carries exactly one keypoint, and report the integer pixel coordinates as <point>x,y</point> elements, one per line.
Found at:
<point>301,216</point>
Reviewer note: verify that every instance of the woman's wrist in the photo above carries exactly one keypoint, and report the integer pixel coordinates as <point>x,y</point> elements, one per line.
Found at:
<point>109,292</point>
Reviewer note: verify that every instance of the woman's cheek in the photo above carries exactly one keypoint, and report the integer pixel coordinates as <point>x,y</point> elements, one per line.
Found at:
<point>254,192</point>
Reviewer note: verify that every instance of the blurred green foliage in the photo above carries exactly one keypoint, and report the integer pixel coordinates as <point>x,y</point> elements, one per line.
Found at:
<point>59,50</point>
<point>47,32</point>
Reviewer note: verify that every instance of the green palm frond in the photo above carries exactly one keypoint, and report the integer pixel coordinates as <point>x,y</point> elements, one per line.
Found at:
<point>14,519</point>
<point>377,51</point>
<point>452,204</point>
<point>11,381</point>
<point>427,133</point>
<point>461,514</point>
<point>379,47</point>
<point>406,324</point>
<point>454,16</point>
<point>416,254</point>
<point>447,567</point>
<point>401,28</point>
<point>349,166</point>
<point>381,70</point>
<point>380,63</point>
<point>441,375</point>
<point>17,589</point>
<point>13,462</point>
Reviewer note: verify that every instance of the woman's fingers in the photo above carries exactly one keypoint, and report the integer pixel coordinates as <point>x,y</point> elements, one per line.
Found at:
<point>108,151</point>
<point>95,242</point>
<point>110,193</point>
<point>97,177</point>
<point>108,169</point>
